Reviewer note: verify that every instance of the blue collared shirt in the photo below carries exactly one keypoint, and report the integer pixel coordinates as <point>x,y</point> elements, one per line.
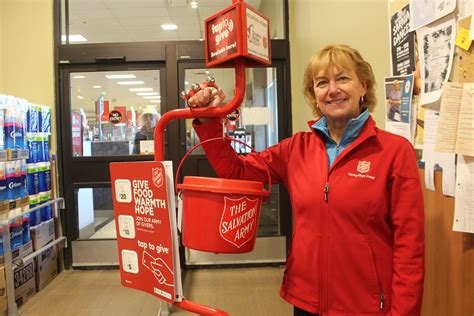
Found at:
<point>351,132</point>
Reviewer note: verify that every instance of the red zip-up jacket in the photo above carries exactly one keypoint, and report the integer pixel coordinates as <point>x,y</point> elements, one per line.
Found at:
<point>358,236</point>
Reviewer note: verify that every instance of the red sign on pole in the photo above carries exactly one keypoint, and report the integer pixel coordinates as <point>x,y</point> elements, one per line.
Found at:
<point>144,208</point>
<point>237,31</point>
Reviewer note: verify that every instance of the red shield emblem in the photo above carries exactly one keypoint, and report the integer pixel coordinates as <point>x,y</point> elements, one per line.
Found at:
<point>265,42</point>
<point>239,220</point>
<point>157,177</point>
<point>363,166</point>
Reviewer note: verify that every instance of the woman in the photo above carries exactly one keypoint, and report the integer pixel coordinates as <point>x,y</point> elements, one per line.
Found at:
<point>358,237</point>
<point>149,118</point>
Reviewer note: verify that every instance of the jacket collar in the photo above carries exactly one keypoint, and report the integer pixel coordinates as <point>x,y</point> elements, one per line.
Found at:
<point>369,130</point>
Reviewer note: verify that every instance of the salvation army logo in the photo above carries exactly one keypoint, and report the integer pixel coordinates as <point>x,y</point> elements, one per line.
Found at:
<point>157,177</point>
<point>239,220</point>
<point>363,166</point>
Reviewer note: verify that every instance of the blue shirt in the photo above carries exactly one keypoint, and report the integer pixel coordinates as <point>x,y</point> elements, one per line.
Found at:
<point>351,132</point>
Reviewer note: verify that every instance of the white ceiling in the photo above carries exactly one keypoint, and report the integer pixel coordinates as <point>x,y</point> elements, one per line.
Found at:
<point>106,21</point>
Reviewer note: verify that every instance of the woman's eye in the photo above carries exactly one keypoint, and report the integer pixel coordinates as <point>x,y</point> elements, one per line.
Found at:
<point>321,84</point>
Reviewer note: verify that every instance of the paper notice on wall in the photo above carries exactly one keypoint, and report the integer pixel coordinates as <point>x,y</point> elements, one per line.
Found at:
<point>436,58</point>
<point>431,157</point>
<point>256,116</point>
<point>425,12</point>
<point>465,133</point>
<point>449,117</point>
<point>464,202</point>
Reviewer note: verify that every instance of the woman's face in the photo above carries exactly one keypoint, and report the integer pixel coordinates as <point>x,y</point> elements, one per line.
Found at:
<point>149,121</point>
<point>338,94</point>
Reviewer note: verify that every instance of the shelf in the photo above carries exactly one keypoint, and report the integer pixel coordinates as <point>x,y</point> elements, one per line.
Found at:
<point>5,217</point>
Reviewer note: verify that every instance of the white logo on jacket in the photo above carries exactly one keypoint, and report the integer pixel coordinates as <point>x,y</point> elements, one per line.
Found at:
<point>363,167</point>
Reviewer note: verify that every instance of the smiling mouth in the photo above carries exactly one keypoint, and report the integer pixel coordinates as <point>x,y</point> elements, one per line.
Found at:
<point>335,102</point>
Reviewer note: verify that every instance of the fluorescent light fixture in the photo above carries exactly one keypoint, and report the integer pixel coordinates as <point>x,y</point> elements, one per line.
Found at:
<point>79,77</point>
<point>96,87</point>
<point>201,39</point>
<point>148,93</point>
<point>154,97</point>
<point>155,101</point>
<point>140,107</point>
<point>186,83</point>
<point>140,89</point>
<point>194,4</point>
<point>123,76</point>
<point>169,27</point>
<point>129,83</point>
<point>74,38</point>
<point>80,97</point>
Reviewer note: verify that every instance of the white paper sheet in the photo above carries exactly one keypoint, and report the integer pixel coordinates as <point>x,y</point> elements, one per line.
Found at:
<point>465,132</point>
<point>426,11</point>
<point>255,116</point>
<point>431,157</point>
<point>436,51</point>
<point>464,201</point>
<point>449,117</point>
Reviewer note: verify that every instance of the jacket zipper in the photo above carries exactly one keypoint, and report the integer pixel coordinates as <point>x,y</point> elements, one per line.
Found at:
<point>326,191</point>
<point>381,295</point>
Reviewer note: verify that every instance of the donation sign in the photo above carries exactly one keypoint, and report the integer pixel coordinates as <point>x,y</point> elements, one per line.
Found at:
<point>222,36</point>
<point>257,36</point>
<point>144,209</point>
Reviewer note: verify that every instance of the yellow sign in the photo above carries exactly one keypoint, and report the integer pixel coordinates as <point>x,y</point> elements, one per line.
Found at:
<point>462,38</point>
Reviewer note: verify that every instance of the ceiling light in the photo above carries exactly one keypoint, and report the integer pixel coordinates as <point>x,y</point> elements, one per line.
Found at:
<point>80,97</point>
<point>153,97</point>
<point>194,4</point>
<point>201,39</point>
<point>140,89</point>
<point>155,101</point>
<point>126,83</point>
<point>148,93</point>
<point>120,76</point>
<point>79,77</point>
<point>74,38</point>
<point>186,83</point>
<point>96,87</point>
<point>169,27</point>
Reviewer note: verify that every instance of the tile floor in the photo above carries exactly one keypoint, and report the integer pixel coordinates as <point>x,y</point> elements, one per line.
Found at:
<point>240,292</point>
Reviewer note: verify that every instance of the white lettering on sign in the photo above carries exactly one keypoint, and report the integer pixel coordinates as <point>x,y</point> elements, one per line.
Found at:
<point>243,223</point>
<point>145,204</point>
<point>223,29</point>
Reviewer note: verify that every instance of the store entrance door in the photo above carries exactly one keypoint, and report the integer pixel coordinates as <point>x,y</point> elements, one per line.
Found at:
<point>256,124</point>
<point>108,115</point>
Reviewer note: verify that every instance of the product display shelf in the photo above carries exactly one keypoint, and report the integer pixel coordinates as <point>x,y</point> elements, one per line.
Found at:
<point>13,154</point>
<point>9,265</point>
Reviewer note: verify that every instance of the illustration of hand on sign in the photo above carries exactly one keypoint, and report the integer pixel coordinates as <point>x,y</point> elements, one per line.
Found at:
<point>159,268</point>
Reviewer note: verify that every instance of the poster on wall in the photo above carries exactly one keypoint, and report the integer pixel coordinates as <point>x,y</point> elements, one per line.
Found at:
<point>399,112</point>
<point>425,12</point>
<point>402,43</point>
<point>436,58</point>
<point>76,130</point>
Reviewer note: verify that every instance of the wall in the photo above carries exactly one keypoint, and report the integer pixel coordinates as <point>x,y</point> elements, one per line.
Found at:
<point>2,30</point>
<point>27,51</point>
<point>315,23</point>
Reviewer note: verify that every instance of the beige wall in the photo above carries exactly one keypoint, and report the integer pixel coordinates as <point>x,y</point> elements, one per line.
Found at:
<point>26,51</point>
<point>2,30</point>
<point>315,23</point>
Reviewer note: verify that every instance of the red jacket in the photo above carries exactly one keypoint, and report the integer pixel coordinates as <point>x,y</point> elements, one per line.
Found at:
<point>358,235</point>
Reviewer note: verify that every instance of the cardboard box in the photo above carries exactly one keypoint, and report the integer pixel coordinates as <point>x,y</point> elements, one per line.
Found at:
<point>23,278</point>
<point>42,234</point>
<point>24,282</point>
<point>46,265</point>
<point>3,291</point>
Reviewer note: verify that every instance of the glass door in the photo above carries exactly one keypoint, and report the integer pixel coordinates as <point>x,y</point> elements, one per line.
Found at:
<point>258,126</point>
<point>109,115</point>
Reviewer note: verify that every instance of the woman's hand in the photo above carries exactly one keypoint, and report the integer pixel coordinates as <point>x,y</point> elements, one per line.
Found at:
<point>207,96</point>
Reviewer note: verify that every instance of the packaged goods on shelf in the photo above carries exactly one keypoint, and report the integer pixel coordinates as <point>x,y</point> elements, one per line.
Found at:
<point>26,229</point>
<point>3,182</point>
<point>16,232</point>
<point>15,123</point>
<point>45,119</point>
<point>33,118</point>
<point>13,176</point>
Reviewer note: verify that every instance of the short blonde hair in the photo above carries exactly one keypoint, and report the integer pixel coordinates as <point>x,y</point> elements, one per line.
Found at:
<point>343,57</point>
